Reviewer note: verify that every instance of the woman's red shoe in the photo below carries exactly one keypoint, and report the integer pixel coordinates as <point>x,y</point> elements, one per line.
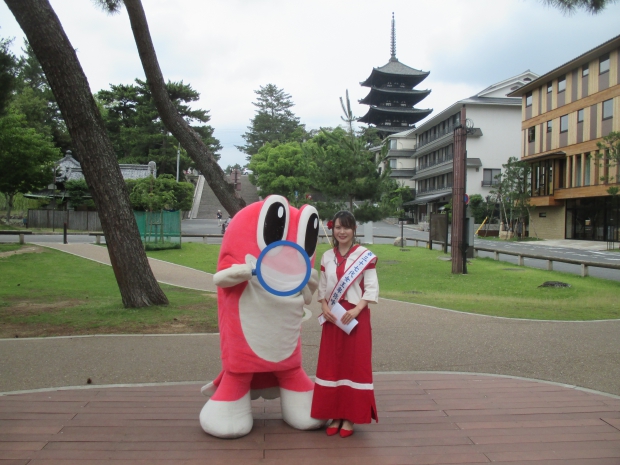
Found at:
<point>345,433</point>
<point>332,430</point>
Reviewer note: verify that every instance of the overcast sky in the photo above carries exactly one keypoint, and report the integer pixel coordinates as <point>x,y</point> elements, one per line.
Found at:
<point>316,50</point>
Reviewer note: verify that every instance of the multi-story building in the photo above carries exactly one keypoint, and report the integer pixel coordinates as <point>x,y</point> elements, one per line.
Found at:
<point>425,153</point>
<point>565,113</point>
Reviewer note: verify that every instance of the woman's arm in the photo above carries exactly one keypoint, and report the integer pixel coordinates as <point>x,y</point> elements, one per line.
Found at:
<point>329,316</point>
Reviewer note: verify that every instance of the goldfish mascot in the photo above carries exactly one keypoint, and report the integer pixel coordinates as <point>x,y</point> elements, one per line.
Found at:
<point>259,330</point>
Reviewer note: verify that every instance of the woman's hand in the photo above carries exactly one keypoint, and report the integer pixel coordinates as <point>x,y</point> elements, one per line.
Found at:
<point>329,316</point>
<point>354,312</point>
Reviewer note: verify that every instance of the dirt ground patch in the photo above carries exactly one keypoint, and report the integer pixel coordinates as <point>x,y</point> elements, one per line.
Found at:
<point>11,330</point>
<point>25,308</point>
<point>191,322</point>
<point>27,249</point>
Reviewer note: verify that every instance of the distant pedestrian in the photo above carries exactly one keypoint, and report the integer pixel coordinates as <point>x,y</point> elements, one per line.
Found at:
<point>225,224</point>
<point>219,217</point>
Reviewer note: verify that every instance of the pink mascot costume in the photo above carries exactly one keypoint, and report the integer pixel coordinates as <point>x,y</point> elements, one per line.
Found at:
<point>260,331</point>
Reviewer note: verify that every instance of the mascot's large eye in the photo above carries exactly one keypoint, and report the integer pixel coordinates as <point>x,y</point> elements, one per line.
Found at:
<point>273,221</point>
<point>308,229</point>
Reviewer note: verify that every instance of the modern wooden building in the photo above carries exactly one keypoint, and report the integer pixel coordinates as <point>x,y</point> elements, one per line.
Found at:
<point>565,113</point>
<point>392,97</point>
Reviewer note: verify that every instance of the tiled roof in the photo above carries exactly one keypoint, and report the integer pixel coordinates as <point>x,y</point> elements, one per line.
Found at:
<point>69,169</point>
<point>396,67</point>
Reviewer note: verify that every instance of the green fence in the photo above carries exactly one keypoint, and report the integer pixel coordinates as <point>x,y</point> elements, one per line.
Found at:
<point>159,230</point>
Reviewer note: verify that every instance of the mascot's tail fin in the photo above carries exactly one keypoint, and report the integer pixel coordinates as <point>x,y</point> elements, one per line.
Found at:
<point>209,389</point>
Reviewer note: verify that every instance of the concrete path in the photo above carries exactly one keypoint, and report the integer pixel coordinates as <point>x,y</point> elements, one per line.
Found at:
<point>407,337</point>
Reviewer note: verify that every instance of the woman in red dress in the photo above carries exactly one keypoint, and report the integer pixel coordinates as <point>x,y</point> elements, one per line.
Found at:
<point>343,388</point>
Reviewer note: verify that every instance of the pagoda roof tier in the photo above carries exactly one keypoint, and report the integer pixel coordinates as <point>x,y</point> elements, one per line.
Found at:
<point>391,129</point>
<point>394,69</point>
<point>377,95</point>
<point>378,115</point>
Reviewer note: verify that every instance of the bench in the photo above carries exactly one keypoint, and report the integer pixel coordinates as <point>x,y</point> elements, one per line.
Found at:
<point>97,236</point>
<point>21,234</point>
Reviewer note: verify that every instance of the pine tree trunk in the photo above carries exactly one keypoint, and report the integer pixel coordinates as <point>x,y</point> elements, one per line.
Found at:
<point>59,61</point>
<point>9,206</point>
<point>189,139</point>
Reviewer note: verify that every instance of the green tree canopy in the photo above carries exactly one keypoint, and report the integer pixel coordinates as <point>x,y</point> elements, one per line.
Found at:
<point>274,122</point>
<point>284,170</point>
<point>161,193</point>
<point>8,71</point>
<point>137,132</point>
<point>513,190</point>
<point>570,6</point>
<point>26,158</point>
<point>35,100</point>
<point>346,169</point>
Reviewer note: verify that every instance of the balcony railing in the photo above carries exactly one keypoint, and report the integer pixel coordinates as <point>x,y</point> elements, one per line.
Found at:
<point>437,135</point>
<point>440,188</point>
<point>425,166</point>
<point>494,182</point>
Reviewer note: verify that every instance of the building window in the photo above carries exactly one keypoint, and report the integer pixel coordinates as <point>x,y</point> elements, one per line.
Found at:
<point>393,144</point>
<point>603,64</point>
<point>564,123</point>
<point>489,177</point>
<point>393,163</point>
<point>528,99</point>
<point>585,70</point>
<point>531,134</point>
<point>580,114</point>
<point>549,126</point>
<point>608,109</point>
<point>549,87</point>
<point>561,84</point>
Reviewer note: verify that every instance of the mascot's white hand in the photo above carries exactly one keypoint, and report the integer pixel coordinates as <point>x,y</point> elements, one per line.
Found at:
<point>232,276</point>
<point>311,287</point>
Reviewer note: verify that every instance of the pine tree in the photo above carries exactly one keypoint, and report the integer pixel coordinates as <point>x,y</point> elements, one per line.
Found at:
<point>274,121</point>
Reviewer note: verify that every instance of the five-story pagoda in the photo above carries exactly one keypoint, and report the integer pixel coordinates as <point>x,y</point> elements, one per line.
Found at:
<point>392,97</point>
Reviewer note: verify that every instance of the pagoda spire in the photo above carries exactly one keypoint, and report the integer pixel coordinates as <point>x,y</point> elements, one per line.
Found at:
<point>393,40</point>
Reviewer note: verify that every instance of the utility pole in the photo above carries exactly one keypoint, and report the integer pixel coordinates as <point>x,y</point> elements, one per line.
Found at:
<point>458,196</point>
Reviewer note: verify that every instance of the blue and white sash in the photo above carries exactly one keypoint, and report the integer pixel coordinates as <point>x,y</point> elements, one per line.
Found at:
<point>350,275</point>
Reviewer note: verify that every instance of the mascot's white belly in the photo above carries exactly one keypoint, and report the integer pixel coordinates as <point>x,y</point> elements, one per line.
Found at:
<point>271,324</point>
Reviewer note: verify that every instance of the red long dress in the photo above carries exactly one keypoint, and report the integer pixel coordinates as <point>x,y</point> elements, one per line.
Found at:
<point>343,385</point>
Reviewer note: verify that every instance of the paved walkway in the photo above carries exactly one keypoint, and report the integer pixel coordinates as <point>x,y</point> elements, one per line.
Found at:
<point>425,417</point>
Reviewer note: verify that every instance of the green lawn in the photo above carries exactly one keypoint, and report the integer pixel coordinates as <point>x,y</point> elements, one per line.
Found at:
<point>490,287</point>
<point>54,293</point>
<point>9,247</point>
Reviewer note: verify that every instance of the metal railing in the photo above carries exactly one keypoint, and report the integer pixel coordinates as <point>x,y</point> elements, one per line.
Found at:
<point>436,189</point>
<point>435,136</point>
<point>428,165</point>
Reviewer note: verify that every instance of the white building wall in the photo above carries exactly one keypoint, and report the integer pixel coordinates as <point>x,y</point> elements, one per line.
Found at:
<point>500,140</point>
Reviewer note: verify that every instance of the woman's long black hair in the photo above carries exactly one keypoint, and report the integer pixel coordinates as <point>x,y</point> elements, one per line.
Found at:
<point>347,220</point>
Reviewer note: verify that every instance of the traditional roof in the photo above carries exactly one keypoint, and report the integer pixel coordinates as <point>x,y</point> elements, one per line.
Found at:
<point>379,114</point>
<point>69,169</point>
<point>378,95</point>
<point>395,69</point>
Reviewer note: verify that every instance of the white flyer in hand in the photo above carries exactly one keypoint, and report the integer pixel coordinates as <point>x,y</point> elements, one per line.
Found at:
<point>338,311</point>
